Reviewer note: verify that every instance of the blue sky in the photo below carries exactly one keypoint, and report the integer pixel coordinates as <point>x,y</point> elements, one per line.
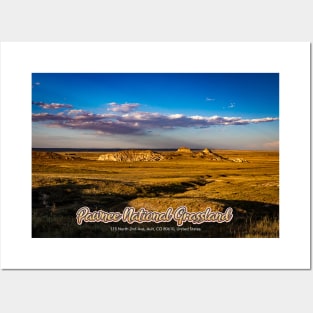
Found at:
<point>155,110</point>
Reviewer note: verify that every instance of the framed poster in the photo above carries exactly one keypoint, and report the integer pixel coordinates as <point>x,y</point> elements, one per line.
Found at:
<point>143,168</point>
<point>153,150</point>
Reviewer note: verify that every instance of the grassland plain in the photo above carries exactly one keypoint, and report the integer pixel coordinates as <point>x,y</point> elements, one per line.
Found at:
<point>65,181</point>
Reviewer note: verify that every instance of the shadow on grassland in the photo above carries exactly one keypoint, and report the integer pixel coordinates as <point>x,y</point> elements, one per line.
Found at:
<point>54,214</point>
<point>54,207</point>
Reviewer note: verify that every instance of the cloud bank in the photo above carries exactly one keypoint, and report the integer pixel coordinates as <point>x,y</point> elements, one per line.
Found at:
<point>135,123</point>
<point>52,105</point>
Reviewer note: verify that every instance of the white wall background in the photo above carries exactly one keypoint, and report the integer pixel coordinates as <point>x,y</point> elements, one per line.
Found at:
<point>156,291</point>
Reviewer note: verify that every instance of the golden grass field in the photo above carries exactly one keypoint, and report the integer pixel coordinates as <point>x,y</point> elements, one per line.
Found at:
<point>60,186</point>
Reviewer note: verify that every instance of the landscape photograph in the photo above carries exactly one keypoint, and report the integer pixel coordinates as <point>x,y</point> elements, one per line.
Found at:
<point>155,155</point>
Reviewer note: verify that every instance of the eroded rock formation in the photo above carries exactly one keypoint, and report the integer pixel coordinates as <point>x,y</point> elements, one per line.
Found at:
<point>184,150</point>
<point>149,155</point>
<point>132,156</point>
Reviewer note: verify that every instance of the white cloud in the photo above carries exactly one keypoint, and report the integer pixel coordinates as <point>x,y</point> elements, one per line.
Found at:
<point>52,105</point>
<point>35,84</point>
<point>122,108</point>
<point>75,112</point>
<point>174,116</point>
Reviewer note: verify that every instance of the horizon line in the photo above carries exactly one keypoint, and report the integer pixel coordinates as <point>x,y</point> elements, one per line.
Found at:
<point>152,148</point>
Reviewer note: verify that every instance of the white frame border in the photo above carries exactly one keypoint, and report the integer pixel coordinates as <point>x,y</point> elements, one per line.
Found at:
<point>20,251</point>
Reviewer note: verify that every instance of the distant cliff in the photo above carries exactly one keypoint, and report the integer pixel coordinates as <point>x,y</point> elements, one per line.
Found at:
<point>149,155</point>
<point>131,156</point>
<point>184,150</point>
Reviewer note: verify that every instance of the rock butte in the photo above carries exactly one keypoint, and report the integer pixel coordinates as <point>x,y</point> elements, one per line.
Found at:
<point>184,150</point>
<point>132,156</point>
<point>207,151</point>
<point>149,155</point>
